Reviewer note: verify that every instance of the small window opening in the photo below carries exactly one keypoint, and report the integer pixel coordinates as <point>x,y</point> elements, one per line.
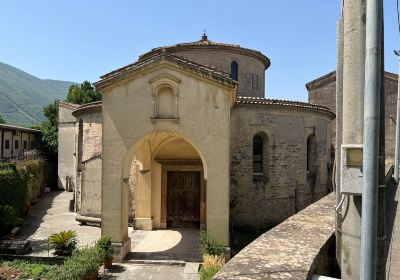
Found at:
<point>234,70</point>
<point>257,154</point>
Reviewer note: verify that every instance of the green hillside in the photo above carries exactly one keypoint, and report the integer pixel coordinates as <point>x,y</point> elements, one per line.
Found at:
<point>22,96</point>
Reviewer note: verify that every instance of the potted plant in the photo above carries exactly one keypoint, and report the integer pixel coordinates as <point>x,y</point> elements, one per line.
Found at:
<point>63,242</point>
<point>104,243</point>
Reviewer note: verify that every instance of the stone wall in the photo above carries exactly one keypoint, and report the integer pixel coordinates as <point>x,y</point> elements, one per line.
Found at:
<point>323,91</point>
<point>66,145</point>
<point>36,177</point>
<point>88,133</point>
<point>284,188</point>
<point>298,248</point>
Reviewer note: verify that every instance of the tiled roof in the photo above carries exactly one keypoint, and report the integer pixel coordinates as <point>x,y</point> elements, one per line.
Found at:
<point>86,107</point>
<point>204,70</point>
<point>18,128</point>
<point>205,43</point>
<point>331,77</point>
<point>283,103</point>
<point>323,80</point>
<point>239,100</point>
<point>68,105</point>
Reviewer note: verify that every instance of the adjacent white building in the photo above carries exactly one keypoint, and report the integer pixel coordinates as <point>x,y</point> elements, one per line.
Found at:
<point>16,141</point>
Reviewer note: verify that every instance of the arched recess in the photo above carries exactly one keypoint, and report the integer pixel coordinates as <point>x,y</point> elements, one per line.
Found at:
<point>164,161</point>
<point>261,156</point>
<point>165,102</point>
<point>80,145</point>
<point>311,153</point>
<point>165,93</point>
<point>312,164</point>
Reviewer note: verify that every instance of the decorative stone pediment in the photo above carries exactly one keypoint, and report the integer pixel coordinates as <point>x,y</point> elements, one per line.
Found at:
<point>165,93</point>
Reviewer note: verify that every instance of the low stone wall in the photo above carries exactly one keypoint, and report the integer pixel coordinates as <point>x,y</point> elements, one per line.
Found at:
<point>297,248</point>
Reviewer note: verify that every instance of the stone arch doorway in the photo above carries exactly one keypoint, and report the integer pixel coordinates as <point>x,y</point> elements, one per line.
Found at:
<point>170,182</point>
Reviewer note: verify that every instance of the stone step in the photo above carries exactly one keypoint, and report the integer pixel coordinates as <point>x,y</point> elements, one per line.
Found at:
<point>156,256</point>
<point>155,262</point>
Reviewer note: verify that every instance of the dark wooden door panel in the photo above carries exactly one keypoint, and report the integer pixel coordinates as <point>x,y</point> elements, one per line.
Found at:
<point>183,198</point>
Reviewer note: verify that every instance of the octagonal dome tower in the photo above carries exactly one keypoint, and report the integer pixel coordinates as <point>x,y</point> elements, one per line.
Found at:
<point>247,66</point>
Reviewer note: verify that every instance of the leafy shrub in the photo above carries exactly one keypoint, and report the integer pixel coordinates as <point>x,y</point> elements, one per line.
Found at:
<point>82,264</point>
<point>209,246</point>
<point>8,218</point>
<point>28,270</point>
<point>211,265</point>
<point>104,243</point>
<point>13,188</point>
<point>63,242</point>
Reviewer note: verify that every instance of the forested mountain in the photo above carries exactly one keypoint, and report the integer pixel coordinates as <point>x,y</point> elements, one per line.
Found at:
<point>22,96</point>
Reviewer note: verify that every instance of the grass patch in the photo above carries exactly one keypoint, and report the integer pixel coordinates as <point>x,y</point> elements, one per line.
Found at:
<point>24,270</point>
<point>211,265</point>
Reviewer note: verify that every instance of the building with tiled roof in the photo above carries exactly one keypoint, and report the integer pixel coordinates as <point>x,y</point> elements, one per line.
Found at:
<point>323,91</point>
<point>185,137</point>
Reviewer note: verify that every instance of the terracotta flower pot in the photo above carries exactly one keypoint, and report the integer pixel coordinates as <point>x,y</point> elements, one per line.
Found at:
<point>93,276</point>
<point>108,263</point>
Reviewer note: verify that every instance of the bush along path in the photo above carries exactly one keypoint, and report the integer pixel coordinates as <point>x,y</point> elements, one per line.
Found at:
<point>82,264</point>
<point>213,256</point>
<point>21,184</point>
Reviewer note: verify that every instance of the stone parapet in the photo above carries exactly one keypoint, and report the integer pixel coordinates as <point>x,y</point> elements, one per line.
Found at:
<point>295,249</point>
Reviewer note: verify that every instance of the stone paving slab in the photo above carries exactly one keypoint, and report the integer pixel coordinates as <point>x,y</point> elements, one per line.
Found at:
<point>393,232</point>
<point>147,272</point>
<point>51,215</point>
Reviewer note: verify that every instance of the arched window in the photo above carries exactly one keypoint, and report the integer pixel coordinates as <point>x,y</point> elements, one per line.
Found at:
<point>234,70</point>
<point>257,154</point>
<point>311,153</point>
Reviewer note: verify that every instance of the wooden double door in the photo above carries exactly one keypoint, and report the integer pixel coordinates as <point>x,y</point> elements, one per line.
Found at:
<point>183,198</point>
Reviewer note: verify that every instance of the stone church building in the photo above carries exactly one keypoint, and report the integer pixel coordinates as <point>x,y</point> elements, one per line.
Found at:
<point>184,137</point>
<point>323,91</point>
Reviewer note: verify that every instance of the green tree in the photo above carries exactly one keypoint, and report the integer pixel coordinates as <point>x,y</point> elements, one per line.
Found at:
<point>83,93</point>
<point>2,121</point>
<point>77,94</point>
<point>49,130</point>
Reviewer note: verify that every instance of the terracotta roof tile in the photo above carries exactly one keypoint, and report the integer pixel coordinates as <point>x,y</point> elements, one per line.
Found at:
<point>283,103</point>
<point>88,106</point>
<point>330,77</point>
<point>209,71</point>
<point>205,43</point>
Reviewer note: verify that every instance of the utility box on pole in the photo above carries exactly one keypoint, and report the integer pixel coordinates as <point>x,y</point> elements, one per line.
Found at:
<point>351,169</point>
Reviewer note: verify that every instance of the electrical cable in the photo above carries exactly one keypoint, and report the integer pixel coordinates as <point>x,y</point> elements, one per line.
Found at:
<point>340,203</point>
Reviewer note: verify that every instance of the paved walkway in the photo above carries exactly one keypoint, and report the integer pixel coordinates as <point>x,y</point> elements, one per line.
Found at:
<point>153,272</point>
<point>51,215</point>
<point>393,233</point>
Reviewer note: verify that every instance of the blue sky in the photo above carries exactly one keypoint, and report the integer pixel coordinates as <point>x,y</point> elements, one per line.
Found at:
<point>81,40</point>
